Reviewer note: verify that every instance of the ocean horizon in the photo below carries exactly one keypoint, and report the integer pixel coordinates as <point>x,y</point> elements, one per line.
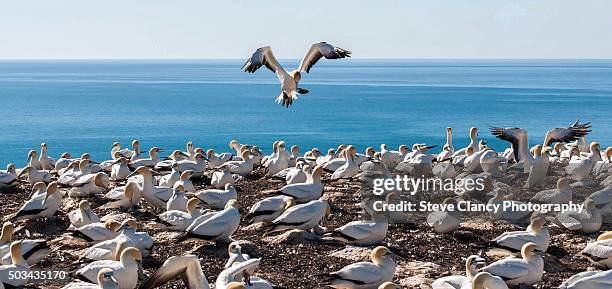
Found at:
<point>82,106</point>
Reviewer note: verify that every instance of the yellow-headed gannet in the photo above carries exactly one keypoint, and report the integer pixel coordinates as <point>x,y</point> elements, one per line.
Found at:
<point>458,281</point>
<point>16,273</point>
<point>125,270</point>
<point>600,251</point>
<point>83,215</point>
<point>362,232</point>
<point>42,206</point>
<point>527,270</point>
<point>217,226</point>
<point>106,280</point>
<point>217,199</point>
<point>444,221</point>
<point>187,267</point>
<point>364,274</point>
<point>269,209</point>
<point>303,192</point>
<point>305,217</point>
<point>589,280</point>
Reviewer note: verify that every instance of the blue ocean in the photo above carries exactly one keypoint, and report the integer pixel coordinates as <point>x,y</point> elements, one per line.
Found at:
<point>85,106</point>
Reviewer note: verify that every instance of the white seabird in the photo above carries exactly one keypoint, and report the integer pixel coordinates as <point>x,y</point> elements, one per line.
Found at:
<point>310,190</point>
<point>561,195</point>
<point>42,206</point>
<point>106,280</point>
<point>600,251</point>
<point>362,232</point>
<point>458,281</point>
<point>125,270</point>
<point>217,199</point>
<point>217,226</point>
<point>364,274</point>
<point>83,215</point>
<point>269,209</point>
<point>18,268</point>
<point>484,280</point>
<point>527,270</point>
<point>187,267</point>
<point>8,176</point>
<point>444,221</point>
<point>304,217</point>
<point>176,220</point>
<point>589,280</point>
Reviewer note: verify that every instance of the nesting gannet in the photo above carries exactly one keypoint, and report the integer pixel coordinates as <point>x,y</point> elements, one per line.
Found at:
<point>126,237</point>
<point>126,153</point>
<point>125,270</point>
<point>350,168</point>
<point>269,209</point>
<point>217,199</point>
<point>279,162</point>
<point>448,149</point>
<point>9,176</point>
<point>13,274</point>
<point>127,197</point>
<point>293,175</point>
<point>601,198</point>
<point>536,233</point>
<point>324,159</point>
<point>120,169</point>
<point>527,270</point>
<point>473,143</point>
<point>83,215</point>
<point>33,160</point>
<point>484,280</point>
<point>154,195</point>
<point>187,267</point>
<point>42,206</point>
<point>31,250</point>
<point>35,175</point>
<point>222,177</point>
<point>185,181</point>
<point>303,192</point>
<point>589,280</point>
<point>215,161</point>
<point>243,166</point>
<point>176,220</point>
<point>217,226</point>
<point>499,197</point>
<point>458,281</point>
<point>151,161</point>
<point>178,200</point>
<point>305,217</point>
<point>364,274</point>
<point>174,157</point>
<point>295,154</point>
<point>588,220</point>
<point>74,172</point>
<point>600,251</point>
<point>539,169</point>
<point>365,233</point>
<point>136,153</point>
<point>96,232</point>
<point>235,255</point>
<point>89,184</point>
<point>561,195</point>
<point>234,274</point>
<point>168,180</point>
<point>105,280</point>
<point>289,81</point>
<point>444,221</point>
<point>46,163</point>
<point>197,164</point>
<point>388,158</point>
<point>63,162</point>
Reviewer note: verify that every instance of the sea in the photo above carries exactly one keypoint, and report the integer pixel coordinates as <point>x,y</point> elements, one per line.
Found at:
<point>82,106</point>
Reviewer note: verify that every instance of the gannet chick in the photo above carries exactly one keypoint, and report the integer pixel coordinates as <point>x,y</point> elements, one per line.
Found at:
<point>178,200</point>
<point>83,215</point>
<point>588,221</point>
<point>187,267</point>
<point>458,281</point>
<point>222,177</point>
<point>269,209</point>
<point>589,280</point>
<point>527,270</point>
<point>43,206</point>
<point>289,81</point>
<point>9,176</point>
<point>185,181</point>
<point>125,270</point>
<point>444,221</point>
<point>32,250</point>
<point>105,280</point>
<point>176,220</point>
<point>536,233</point>
<point>19,268</point>
<point>561,195</point>
<point>484,280</point>
<point>364,233</point>
<point>35,175</point>
<point>217,199</point>
<point>364,274</point>
<point>89,184</point>
<point>127,197</point>
<point>217,226</point>
<point>600,251</point>
<point>96,232</point>
<point>120,169</point>
<point>310,190</point>
<point>304,217</point>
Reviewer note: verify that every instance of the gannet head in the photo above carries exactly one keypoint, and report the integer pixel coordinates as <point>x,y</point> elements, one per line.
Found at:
<point>403,149</point>
<point>235,285</point>
<point>189,145</point>
<point>449,130</point>
<point>16,257</point>
<point>558,147</point>
<point>178,189</point>
<point>112,225</point>
<point>106,276</point>
<point>11,168</point>
<point>7,232</point>
<point>389,285</point>
<point>131,253</point>
<point>595,147</point>
<point>538,221</point>
<point>101,180</point>
<point>380,253</point>
<point>52,188</point>
<point>39,186</point>
<point>609,154</point>
<point>198,157</point>
<point>192,204</point>
<point>563,184</point>
<point>32,155</point>
<point>295,149</point>
<point>186,175</point>
<point>43,147</point>
<point>481,280</point>
<point>210,153</point>
<point>296,75</point>
<point>135,144</point>
<point>370,151</point>
<point>280,145</point>
<point>472,262</point>
<point>446,147</point>
<point>142,170</point>
<point>116,145</point>
<point>383,147</point>
<point>529,250</point>
<point>128,223</point>
<point>233,143</point>
<point>84,205</point>
<point>198,150</point>
<point>331,152</point>
<point>469,151</point>
<point>473,133</point>
<point>234,248</point>
<point>604,236</point>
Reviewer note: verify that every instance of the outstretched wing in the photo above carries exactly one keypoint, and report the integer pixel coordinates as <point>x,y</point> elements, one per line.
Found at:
<point>264,56</point>
<point>565,135</point>
<point>321,49</point>
<point>509,135</point>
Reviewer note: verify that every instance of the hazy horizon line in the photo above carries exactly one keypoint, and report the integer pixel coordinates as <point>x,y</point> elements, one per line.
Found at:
<point>365,58</point>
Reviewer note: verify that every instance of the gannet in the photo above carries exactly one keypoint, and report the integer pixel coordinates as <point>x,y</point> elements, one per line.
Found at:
<point>350,168</point>
<point>96,232</point>
<point>323,160</point>
<point>295,154</point>
<point>473,143</point>
<point>89,184</point>
<point>18,268</point>
<point>499,197</point>
<point>63,162</point>
<point>175,156</point>
<point>561,195</point>
<point>269,209</point>
<point>217,199</point>
<point>364,274</point>
<point>304,217</point>
<point>588,220</point>
<point>176,220</point>
<point>43,206</point>
<point>77,170</point>
<point>135,150</point>
<point>105,280</point>
<point>168,180</point>
<point>444,221</point>
<point>83,215</point>
<point>536,233</point>
<point>484,280</point>
<point>539,169</point>
<point>293,175</point>
<point>215,161</point>
<point>35,175</point>
<point>127,197</point>
<point>126,153</point>
<point>187,267</point>
<point>303,192</point>
<point>33,160</point>
<point>234,274</point>
<point>217,226</point>
<point>125,270</point>
<point>126,237</point>
<point>221,177</point>
<point>46,163</point>
<point>568,134</point>
<point>458,281</point>
<point>185,181</point>
<point>600,251</point>
<point>362,232</point>
<point>279,162</point>
<point>289,81</point>
<point>388,158</point>
<point>150,162</point>
<point>154,195</point>
<point>527,270</point>
<point>601,198</point>
<point>197,165</point>
<point>236,257</point>
<point>8,176</point>
<point>241,167</point>
<point>491,163</point>
<point>178,200</point>
<point>589,280</point>
<point>120,170</point>
<point>33,251</point>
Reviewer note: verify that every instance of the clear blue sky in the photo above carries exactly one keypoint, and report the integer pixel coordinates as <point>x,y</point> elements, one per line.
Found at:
<point>371,29</point>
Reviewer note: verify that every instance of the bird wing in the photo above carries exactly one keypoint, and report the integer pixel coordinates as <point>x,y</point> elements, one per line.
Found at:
<point>175,267</point>
<point>264,56</point>
<point>358,230</point>
<point>361,272</point>
<point>601,249</point>
<point>508,268</point>
<point>298,214</point>
<point>319,50</point>
<point>567,134</point>
<point>508,135</point>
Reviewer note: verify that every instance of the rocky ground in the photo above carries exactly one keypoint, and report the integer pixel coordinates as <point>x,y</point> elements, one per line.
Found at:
<point>290,262</point>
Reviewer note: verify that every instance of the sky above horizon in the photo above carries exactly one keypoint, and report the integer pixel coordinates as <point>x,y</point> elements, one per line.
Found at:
<point>76,29</point>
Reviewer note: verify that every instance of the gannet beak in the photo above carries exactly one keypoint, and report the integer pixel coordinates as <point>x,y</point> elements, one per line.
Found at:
<point>481,261</point>
<point>132,174</point>
<point>155,173</point>
<point>430,147</point>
